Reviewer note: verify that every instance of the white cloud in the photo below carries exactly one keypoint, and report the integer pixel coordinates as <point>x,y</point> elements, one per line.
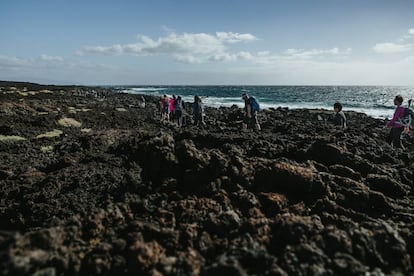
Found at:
<point>12,62</point>
<point>50,58</point>
<point>20,62</point>
<point>234,37</point>
<point>196,48</point>
<point>408,36</point>
<point>291,51</point>
<point>45,62</point>
<point>263,53</point>
<point>186,47</point>
<point>312,53</point>
<point>232,57</point>
<point>244,55</point>
<point>187,59</point>
<point>390,47</point>
<point>112,50</point>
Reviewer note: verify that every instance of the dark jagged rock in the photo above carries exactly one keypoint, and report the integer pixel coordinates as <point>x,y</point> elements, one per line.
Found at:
<point>126,194</point>
<point>386,185</point>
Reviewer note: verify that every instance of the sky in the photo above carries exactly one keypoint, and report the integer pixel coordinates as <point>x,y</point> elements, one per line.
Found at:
<point>194,42</point>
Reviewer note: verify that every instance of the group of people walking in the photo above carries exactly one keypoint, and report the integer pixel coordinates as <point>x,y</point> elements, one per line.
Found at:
<point>400,123</point>
<point>172,109</point>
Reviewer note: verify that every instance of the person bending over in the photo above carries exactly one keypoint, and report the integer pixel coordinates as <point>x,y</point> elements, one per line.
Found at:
<point>251,107</point>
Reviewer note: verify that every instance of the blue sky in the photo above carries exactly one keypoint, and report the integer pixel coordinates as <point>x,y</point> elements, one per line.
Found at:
<point>280,42</point>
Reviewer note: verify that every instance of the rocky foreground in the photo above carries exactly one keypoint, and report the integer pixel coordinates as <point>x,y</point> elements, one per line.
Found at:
<point>92,184</point>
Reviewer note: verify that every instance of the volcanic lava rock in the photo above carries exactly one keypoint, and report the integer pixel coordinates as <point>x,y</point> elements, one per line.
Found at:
<point>128,194</point>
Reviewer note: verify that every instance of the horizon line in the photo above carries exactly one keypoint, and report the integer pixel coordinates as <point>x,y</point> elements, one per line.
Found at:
<point>237,85</point>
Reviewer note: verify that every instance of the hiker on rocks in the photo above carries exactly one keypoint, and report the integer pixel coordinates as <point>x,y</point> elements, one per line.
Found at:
<point>251,107</point>
<point>198,112</point>
<point>408,118</point>
<point>178,110</point>
<point>171,107</point>
<point>394,137</point>
<point>164,107</point>
<point>339,117</point>
<point>142,103</point>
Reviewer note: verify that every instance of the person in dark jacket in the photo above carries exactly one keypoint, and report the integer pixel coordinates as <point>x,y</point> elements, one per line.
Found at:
<point>198,112</point>
<point>178,110</point>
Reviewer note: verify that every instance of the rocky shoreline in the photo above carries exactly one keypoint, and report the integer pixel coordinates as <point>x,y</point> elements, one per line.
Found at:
<point>93,184</point>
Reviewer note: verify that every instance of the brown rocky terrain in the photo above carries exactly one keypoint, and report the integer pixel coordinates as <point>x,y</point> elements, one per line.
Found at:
<point>92,184</point>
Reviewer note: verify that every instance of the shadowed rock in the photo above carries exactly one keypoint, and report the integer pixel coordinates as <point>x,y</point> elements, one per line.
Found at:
<point>284,176</point>
<point>134,196</point>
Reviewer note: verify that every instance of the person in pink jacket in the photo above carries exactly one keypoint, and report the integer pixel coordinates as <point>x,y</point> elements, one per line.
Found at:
<point>172,101</point>
<point>394,137</point>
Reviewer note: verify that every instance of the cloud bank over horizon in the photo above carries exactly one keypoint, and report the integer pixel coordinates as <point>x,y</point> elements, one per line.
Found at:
<point>186,47</point>
<point>197,48</point>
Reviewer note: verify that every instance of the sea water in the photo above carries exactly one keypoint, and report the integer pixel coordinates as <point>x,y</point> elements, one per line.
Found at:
<point>375,101</point>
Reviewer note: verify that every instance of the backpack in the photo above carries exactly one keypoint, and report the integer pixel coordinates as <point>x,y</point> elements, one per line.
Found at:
<point>255,104</point>
<point>197,108</point>
<point>177,104</point>
<point>408,119</point>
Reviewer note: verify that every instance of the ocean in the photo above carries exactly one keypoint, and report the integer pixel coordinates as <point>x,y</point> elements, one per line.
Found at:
<point>375,101</point>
